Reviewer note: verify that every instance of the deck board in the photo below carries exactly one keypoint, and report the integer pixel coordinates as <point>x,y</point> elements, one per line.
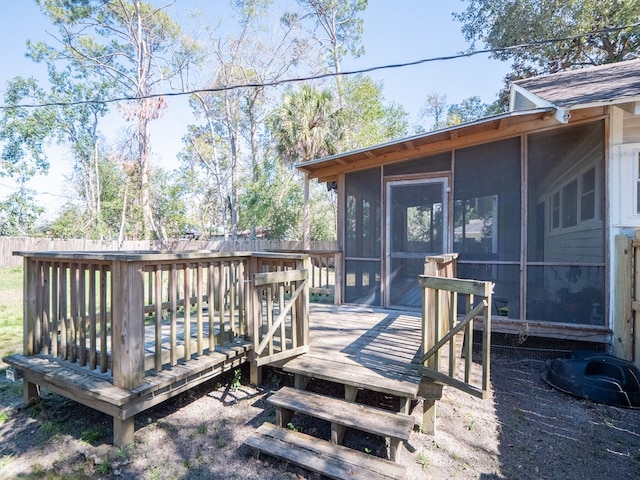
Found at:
<point>365,348</point>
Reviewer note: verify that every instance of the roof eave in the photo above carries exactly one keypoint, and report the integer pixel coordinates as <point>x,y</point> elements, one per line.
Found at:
<point>634,101</point>
<point>308,166</point>
<point>562,115</point>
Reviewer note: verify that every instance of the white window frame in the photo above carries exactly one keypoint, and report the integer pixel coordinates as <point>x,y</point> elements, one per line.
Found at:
<point>558,193</point>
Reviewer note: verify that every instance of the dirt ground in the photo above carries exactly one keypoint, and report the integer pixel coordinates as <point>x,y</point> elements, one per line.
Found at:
<point>526,430</point>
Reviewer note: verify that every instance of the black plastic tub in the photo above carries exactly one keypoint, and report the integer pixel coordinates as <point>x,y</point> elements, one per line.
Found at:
<point>598,377</point>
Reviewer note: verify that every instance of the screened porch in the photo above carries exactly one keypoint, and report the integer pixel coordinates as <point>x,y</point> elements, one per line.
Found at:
<point>525,212</point>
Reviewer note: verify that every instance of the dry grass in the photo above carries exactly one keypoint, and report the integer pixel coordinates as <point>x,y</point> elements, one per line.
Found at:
<point>10,312</point>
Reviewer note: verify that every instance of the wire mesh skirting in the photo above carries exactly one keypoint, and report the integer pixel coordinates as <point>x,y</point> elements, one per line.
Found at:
<point>519,347</point>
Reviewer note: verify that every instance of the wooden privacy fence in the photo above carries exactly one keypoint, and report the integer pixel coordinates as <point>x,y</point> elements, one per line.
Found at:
<point>627,298</point>
<point>8,245</point>
<point>450,307</point>
<point>325,273</point>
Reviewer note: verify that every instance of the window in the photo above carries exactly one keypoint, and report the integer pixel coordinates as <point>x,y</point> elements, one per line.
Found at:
<point>555,210</point>
<point>565,274</point>
<point>588,195</point>
<point>638,185</point>
<point>575,201</point>
<point>570,204</point>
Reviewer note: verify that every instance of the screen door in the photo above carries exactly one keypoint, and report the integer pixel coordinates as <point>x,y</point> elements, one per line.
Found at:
<point>416,227</point>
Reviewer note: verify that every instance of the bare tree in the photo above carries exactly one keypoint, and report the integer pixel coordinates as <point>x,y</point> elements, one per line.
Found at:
<point>138,46</point>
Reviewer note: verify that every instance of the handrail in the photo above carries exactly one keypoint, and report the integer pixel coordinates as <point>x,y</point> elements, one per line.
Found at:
<point>280,316</point>
<point>325,273</point>
<point>441,326</point>
<point>293,276</point>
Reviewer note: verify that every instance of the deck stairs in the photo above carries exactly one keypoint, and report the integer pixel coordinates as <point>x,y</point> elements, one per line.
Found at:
<point>330,457</point>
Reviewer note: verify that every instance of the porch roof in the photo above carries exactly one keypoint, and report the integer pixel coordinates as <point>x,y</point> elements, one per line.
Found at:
<point>327,169</point>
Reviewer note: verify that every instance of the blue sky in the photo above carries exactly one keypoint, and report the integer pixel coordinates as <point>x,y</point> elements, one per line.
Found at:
<point>395,31</point>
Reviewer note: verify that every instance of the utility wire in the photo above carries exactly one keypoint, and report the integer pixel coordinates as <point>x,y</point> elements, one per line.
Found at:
<point>322,76</point>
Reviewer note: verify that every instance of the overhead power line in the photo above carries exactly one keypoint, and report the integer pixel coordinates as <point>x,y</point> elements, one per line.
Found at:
<point>322,76</point>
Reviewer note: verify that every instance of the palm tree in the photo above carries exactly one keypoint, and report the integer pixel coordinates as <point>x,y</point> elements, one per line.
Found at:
<point>305,126</point>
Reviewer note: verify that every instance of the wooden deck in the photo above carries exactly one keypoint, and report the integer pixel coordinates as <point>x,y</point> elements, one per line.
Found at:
<point>206,313</point>
<point>363,347</point>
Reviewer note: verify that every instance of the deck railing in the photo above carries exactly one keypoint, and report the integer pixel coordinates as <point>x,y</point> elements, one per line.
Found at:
<point>127,313</point>
<point>325,274</point>
<point>450,307</point>
<point>280,317</point>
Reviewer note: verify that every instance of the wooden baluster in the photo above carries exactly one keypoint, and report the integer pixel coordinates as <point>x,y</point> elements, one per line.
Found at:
<point>38,331</point>
<point>173,293</point>
<point>55,314</point>
<point>242,296</point>
<point>104,328</point>
<point>281,307</point>
<point>63,294</point>
<point>92,318</point>
<point>452,315</point>
<point>232,302</point>
<point>220,302</point>
<point>187,312</point>
<point>269,295</point>
<point>302,309</point>
<point>30,310</point>
<point>158,322</point>
<point>151,289</point>
<point>486,340</point>
<point>468,339</point>
<point>82,314</point>
<point>198,291</point>
<point>73,331</point>
<point>294,317</point>
<point>46,307</point>
<point>211,306</point>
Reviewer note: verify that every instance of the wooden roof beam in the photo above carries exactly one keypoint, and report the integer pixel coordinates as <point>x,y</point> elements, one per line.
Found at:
<point>331,169</point>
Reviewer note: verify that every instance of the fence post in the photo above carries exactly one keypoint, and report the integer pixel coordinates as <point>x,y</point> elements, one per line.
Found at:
<point>623,319</point>
<point>30,317</point>
<point>436,307</point>
<point>254,306</point>
<point>337,278</point>
<point>127,353</point>
<point>302,306</point>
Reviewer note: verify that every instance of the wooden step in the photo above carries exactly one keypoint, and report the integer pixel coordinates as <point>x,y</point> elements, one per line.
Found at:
<point>342,414</point>
<point>333,461</point>
<point>405,385</point>
<point>402,382</point>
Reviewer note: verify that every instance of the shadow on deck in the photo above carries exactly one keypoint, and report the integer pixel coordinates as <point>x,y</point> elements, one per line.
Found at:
<point>363,348</point>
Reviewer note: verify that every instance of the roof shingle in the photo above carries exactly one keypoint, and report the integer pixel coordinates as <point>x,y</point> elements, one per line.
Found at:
<point>613,82</point>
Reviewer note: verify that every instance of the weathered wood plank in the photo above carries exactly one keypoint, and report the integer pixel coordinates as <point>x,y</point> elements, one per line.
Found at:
<point>282,276</point>
<point>465,287</point>
<point>95,390</point>
<point>321,456</point>
<point>353,415</point>
<point>67,377</point>
<point>128,329</point>
<point>324,369</point>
